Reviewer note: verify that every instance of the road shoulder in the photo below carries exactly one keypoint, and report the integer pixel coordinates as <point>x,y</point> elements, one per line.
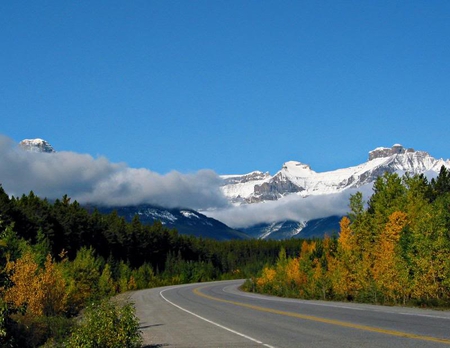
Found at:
<point>163,325</point>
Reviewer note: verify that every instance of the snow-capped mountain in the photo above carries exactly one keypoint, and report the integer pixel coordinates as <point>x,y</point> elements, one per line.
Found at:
<point>299,179</point>
<point>36,145</point>
<point>296,202</point>
<point>296,184</point>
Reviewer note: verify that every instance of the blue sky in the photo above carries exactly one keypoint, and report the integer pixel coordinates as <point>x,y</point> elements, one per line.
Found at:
<point>232,86</point>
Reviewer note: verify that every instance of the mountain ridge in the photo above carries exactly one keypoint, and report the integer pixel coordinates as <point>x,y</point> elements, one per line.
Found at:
<point>295,180</point>
<point>185,221</point>
<point>298,178</point>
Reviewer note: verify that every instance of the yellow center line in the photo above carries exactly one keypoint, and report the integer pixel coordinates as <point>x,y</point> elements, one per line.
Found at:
<point>326,321</point>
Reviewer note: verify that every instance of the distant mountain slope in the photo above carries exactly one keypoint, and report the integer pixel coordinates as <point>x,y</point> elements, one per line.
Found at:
<point>276,230</point>
<point>316,228</point>
<point>185,221</point>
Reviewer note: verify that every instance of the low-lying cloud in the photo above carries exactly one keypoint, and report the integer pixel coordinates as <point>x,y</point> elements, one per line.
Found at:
<point>291,207</point>
<point>98,181</point>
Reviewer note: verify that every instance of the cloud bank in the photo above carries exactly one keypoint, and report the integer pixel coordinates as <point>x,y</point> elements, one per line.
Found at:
<point>291,207</point>
<point>98,181</point>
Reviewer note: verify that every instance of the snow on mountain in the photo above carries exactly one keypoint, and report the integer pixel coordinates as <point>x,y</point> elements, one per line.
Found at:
<point>185,221</point>
<point>238,187</point>
<point>282,229</point>
<point>189,214</point>
<point>296,202</point>
<point>36,145</point>
<point>286,229</point>
<point>298,178</point>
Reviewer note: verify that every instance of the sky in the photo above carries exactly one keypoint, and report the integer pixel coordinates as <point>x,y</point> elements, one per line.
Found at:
<point>154,99</point>
<point>229,86</point>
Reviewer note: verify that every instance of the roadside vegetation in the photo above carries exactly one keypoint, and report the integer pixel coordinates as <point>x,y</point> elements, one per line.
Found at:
<point>60,262</point>
<point>393,250</point>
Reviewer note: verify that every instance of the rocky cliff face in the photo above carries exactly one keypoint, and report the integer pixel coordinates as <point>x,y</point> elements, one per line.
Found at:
<point>253,176</point>
<point>397,149</point>
<point>274,189</point>
<point>239,187</point>
<point>36,145</point>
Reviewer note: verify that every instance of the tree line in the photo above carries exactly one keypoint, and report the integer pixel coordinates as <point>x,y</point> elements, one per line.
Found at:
<point>57,257</point>
<point>393,249</point>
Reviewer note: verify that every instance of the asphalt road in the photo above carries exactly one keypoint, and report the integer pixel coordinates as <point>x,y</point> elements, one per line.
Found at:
<point>219,315</point>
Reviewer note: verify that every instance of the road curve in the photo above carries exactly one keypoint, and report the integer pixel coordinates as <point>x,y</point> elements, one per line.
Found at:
<point>217,314</point>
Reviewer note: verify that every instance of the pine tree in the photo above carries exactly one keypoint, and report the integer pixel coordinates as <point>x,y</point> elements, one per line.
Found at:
<point>441,185</point>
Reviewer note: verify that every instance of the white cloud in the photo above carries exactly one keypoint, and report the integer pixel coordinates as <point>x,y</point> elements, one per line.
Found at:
<point>98,181</point>
<point>291,207</point>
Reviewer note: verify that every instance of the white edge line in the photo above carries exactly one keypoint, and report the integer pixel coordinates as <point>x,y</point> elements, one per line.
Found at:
<point>212,322</point>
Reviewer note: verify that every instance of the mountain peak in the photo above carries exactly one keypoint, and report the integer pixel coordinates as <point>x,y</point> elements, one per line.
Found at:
<point>297,168</point>
<point>36,145</point>
<point>382,152</point>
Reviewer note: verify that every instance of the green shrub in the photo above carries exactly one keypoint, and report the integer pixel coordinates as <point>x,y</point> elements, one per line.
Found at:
<point>5,326</point>
<point>107,325</point>
<point>29,330</point>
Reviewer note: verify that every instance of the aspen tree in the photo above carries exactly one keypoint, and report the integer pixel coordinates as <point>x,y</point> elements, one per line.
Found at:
<point>37,291</point>
<point>344,279</point>
<point>430,253</point>
<point>389,270</point>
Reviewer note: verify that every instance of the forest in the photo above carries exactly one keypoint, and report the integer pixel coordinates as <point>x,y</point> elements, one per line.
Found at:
<point>57,257</point>
<point>393,249</point>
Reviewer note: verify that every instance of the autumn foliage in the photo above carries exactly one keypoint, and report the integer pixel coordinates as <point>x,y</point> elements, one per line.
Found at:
<point>38,291</point>
<point>55,258</point>
<point>395,249</point>
<point>58,257</point>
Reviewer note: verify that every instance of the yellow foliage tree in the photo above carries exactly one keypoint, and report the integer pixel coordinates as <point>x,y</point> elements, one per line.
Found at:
<point>41,291</point>
<point>343,268</point>
<point>345,235</point>
<point>132,284</point>
<point>267,278</point>
<point>389,269</point>
<point>431,254</point>
<point>294,277</point>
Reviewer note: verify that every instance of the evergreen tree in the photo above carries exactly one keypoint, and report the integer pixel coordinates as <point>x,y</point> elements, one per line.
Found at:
<point>441,185</point>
